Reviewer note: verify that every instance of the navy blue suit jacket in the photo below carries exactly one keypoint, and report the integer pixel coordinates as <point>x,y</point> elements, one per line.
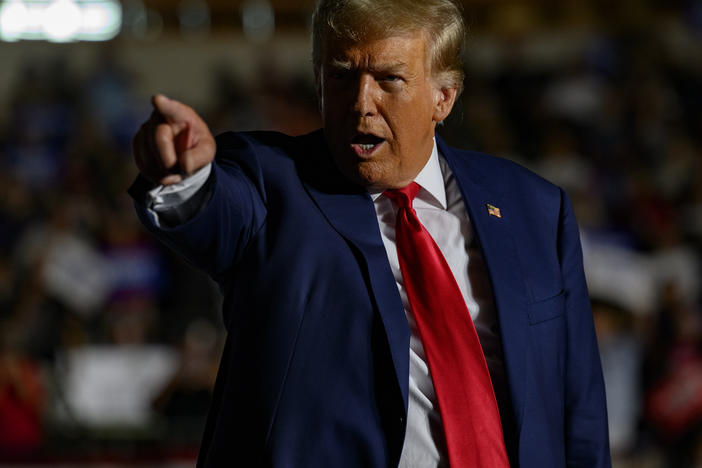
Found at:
<point>315,368</point>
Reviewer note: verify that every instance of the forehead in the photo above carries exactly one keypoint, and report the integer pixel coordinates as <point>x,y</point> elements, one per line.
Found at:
<point>408,49</point>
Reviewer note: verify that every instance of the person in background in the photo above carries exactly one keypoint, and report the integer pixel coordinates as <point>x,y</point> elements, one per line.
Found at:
<point>22,401</point>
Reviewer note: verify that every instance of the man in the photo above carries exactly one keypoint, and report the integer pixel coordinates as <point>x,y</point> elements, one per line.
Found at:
<point>388,299</point>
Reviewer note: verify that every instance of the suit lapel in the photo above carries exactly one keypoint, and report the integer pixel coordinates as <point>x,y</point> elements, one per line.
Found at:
<point>496,240</point>
<point>349,209</point>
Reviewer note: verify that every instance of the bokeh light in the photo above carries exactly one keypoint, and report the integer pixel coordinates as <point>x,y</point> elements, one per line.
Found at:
<point>60,20</point>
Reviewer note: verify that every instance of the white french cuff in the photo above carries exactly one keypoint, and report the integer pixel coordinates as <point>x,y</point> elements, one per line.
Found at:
<point>168,203</point>
<point>165,197</point>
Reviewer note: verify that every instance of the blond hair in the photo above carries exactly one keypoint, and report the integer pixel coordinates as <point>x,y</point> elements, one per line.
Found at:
<point>356,20</point>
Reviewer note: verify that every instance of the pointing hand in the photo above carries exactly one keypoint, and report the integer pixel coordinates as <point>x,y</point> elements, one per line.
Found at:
<point>174,143</point>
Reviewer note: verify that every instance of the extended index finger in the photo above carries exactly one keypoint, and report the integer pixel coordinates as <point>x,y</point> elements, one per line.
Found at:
<point>174,112</point>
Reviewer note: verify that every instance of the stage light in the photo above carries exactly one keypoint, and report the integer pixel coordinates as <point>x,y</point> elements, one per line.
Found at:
<point>101,20</point>
<point>14,18</point>
<point>60,20</point>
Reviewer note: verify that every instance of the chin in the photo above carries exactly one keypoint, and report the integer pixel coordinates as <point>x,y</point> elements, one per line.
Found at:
<point>372,175</point>
<point>375,183</point>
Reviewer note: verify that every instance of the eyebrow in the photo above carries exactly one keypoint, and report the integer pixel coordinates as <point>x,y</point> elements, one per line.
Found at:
<point>389,67</point>
<point>342,64</point>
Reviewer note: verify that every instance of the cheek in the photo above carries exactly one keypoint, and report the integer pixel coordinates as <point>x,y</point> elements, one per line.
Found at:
<point>329,103</point>
<point>412,125</point>
<point>413,114</point>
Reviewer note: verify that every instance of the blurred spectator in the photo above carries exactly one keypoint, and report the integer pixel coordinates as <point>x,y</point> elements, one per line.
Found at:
<point>622,358</point>
<point>22,401</point>
<point>183,403</point>
<point>674,378</point>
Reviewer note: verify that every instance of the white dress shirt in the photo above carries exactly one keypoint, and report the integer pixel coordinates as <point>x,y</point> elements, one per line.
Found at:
<point>440,208</point>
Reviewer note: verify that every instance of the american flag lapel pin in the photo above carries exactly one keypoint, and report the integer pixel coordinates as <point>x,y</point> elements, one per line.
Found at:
<point>493,211</point>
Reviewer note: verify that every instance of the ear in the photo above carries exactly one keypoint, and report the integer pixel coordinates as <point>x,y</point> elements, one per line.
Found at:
<point>444,98</point>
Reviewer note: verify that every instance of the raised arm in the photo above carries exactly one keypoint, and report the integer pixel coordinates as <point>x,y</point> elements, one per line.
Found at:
<point>172,145</point>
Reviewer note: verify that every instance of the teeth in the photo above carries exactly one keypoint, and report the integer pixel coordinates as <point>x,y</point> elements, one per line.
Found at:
<point>366,147</point>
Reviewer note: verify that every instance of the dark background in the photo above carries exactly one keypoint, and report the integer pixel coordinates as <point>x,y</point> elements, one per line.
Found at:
<point>109,344</point>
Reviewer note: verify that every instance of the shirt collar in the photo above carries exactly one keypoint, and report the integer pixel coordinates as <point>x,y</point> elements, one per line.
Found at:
<point>430,179</point>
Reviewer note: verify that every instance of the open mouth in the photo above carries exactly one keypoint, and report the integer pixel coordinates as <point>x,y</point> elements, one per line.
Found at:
<point>366,143</point>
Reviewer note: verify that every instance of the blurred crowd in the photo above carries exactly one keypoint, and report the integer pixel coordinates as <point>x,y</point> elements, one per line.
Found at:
<point>109,344</point>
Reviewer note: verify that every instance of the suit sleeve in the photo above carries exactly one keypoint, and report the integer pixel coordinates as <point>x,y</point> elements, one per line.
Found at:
<point>587,440</point>
<point>216,237</point>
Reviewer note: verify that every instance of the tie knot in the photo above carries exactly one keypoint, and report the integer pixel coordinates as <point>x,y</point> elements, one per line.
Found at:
<point>403,196</point>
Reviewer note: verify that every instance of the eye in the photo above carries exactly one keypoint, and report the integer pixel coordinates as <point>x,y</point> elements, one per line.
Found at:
<point>391,78</point>
<point>337,74</point>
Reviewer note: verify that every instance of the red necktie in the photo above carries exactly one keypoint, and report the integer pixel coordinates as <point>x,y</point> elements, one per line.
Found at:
<point>460,375</point>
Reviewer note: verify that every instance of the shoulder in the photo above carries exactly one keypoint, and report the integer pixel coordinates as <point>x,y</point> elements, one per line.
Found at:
<point>535,207</point>
<point>502,176</point>
<point>278,162</point>
<point>232,143</point>
<point>232,140</point>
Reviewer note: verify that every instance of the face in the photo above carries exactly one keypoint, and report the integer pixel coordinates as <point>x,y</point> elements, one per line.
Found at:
<point>380,106</point>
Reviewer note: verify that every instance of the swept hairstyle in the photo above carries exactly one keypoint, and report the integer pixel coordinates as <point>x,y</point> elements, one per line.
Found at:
<point>356,20</point>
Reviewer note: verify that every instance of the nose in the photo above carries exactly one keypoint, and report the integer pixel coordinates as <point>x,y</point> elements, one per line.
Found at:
<point>365,99</point>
